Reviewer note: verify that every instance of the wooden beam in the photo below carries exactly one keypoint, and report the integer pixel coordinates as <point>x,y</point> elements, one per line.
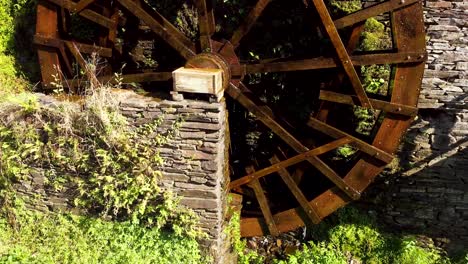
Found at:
<point>84,48</point>
<point>342,53</point>
<point>377,104</point>
<point>301,199</point>
<point>263,202</point>
<point>206,23</point>
<point>266,118</point>
<point>289,162</point>
<point>248,23</point>
<point>361,145</point>
<point>76,53</point>
<point>86,13</point>
<point>326,63</point>
<point>372,11</point>
<point>162,27</point>
<point>80,6</point>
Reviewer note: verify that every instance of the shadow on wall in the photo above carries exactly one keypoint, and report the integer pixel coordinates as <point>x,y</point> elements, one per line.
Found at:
<point>428,192</point>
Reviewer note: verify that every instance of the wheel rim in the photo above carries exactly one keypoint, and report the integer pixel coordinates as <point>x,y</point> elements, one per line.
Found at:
<point>408,58</point>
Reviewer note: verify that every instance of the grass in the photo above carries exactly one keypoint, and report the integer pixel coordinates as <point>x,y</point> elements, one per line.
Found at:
<point>36,237</point>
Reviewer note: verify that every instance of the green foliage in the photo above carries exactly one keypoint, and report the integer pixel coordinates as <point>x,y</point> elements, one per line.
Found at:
<point>55,238</point>
<point>320,253</point>
<point>376,78</point>
<point>244,255</point>
<point>375,36</point>
<point>11,76</point>
<point>114,167</point>
<point>340,7</point>
<point>365,120</point>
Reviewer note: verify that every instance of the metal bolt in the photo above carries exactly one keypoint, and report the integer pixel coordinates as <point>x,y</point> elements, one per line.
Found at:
<point>399,109</point>
<point>408,57</point>
<point>402,2</point>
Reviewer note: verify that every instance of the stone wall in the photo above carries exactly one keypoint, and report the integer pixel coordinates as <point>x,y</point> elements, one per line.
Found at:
<point>430,193</point>
<point>195,166</point>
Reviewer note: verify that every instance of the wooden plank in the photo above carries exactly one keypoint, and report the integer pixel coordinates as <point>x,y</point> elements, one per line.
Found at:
<point>342,53</point>
<point>289,162</point>
<point>327,63</point>
<point>80,6</point>
<point>292,186</point>
<point>76,53</point>
<point>361,145</point>
<point>371,11</point>
<point>248,23</point>
<point>84,48</point>
<point>267,119</point>
<point>129,78</point>
<point>206,23</point>
<point>377,104</point>
<point>47,25</point>
<point>162,27</point>
<point>263,202</point>
<point>86,13</point>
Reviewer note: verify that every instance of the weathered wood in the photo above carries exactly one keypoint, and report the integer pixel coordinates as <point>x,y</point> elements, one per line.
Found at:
<point>327,63</point>
<point>266,118</point>
<point>84,48</point>
<point>128,78</point>
<point>263,202</point>
<point>248,23</point>
<point>361,145</point>
<point>289,162</point>
<point>206,81</point>
<point>162,27</point>
<point>86,13</point>
<point>371,11</point>
<point>292,186</point>
<point>377,104</point>
<point>206,23</point>
<point>342,53</point>
<point>80,6</point>
<point>76,53</point>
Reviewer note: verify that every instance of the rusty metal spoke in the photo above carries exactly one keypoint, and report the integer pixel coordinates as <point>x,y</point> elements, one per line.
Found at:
<point>248,23</point>
<point>361,145</point>
<point>162,27</point>
<point>324,63</point>
<point>372,11</point>
<point>263,202</point>
<point>377,104</point>
<point>206,23</point>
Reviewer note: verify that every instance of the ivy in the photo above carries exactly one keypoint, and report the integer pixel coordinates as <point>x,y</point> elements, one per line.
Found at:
<point>113,167</point>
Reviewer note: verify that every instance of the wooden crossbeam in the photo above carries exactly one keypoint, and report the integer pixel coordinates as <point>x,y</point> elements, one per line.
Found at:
<point>326,63</point>
<point>84,48</point>
<point>372,11</point>
<point>80,6</point>
<point>76,53</point>
<point>162,27</point>
<point>377,104</point>
<point>342,53</point>
<point>86,13</point>
<point>301,199</point>
<point>206,22</point>
<point>248,23</point>
<point>289,162</point>
<point>361,145</point>
<point>266,118</point>
<point>263,202</point>
<point>130,78</point>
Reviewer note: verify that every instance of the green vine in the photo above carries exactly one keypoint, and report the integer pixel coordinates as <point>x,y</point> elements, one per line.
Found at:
<point>113,168</point>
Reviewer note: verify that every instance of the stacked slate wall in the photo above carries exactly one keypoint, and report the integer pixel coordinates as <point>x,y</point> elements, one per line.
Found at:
<point>195,162</point>
<point>429,193</point>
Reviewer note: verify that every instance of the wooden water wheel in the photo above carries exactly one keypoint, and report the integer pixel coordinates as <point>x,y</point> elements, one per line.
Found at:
<point>393,111</point>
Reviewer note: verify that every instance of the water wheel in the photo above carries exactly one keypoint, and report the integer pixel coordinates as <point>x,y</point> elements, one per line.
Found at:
<point>301,179</point>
